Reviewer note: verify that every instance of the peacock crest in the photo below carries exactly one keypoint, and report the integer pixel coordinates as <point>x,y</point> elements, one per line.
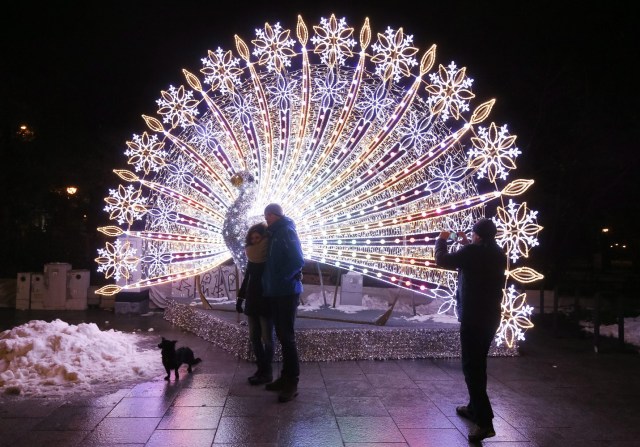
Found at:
<point>370,146</point>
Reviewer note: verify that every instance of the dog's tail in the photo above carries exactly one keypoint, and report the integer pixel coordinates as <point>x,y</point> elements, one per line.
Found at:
<point>196,361</point>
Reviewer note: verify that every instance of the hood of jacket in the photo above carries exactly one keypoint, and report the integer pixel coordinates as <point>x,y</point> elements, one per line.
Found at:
<point>282,275</point>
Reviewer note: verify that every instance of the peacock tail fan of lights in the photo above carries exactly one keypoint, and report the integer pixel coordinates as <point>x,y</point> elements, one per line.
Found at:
<point>371,147</point>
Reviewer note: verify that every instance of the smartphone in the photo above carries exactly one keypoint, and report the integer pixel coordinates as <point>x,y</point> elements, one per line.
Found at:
<point>453,236</point>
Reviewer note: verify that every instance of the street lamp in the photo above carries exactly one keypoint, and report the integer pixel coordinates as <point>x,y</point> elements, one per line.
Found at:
<point>25,133</point>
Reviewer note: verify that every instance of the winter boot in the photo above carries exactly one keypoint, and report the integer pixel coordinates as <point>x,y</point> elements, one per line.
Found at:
<point>255,375</point>
<point>276,385</point>
<point>289,390</point>
<point>263,376</point>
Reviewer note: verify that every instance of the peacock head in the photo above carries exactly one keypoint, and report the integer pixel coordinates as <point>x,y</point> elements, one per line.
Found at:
<point>242,179</point>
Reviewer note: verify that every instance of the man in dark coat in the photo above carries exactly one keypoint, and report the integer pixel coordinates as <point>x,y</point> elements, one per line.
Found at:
<point>481,266</point>
<point>282,285</point>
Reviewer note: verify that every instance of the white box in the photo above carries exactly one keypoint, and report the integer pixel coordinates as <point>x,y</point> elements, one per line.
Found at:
<point>23,291</point>
<point>351,289</point>
<point>38,291</point>
<point>351,282</point>
<point>77,289</point>
<point>55,276</point>
<point>350,298</point>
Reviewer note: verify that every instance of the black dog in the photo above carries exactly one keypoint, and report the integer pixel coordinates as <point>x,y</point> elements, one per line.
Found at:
<point>172,358</point>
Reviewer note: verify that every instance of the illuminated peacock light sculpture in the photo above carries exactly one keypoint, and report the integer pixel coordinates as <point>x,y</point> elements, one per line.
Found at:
<point>370,149</point>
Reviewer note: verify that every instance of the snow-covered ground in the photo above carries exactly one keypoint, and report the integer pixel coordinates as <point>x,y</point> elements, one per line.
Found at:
<point>631,330</point>
<point>42,358</point>
<point>404,308</point>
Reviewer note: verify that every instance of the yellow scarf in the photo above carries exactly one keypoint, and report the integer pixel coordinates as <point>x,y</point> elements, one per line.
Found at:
<point>258,252</point>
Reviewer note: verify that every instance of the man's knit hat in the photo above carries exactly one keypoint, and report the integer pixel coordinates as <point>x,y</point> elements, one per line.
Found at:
<point>485,228</point>
<point>275,209</point>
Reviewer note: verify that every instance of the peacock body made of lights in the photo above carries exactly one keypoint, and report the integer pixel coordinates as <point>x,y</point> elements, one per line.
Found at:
<point>370,151</point>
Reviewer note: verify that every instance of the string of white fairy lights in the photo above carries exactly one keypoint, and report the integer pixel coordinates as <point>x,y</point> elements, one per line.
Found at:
<point>371,151</point>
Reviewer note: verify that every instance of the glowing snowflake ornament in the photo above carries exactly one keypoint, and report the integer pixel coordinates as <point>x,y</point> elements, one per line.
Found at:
<point>117,260</point>
<point>517,229</point>
<point>515,317</point>
<point>493,153</point>
<point>145,153</point>
<point>370,150</point>
<point>126,204</point>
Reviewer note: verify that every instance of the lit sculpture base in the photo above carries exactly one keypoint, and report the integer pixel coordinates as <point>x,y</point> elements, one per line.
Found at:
<point>323,340</point>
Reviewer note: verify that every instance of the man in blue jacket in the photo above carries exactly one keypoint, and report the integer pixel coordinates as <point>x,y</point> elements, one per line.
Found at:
<point>481,268</point>
<point>282,286</point>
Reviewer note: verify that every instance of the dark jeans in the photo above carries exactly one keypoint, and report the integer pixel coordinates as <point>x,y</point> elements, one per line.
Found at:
<point>261,337</point>
<point>475,342</point>
<point>284,310</point>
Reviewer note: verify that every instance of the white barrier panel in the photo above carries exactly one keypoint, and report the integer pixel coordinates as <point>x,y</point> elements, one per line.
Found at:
<point>183,290</point>
<point>220,283</point>
<point>55,279</point>
<point>351,289</point>
<point>23,291</point>
<point>77,289</point>
<point>38,290</point>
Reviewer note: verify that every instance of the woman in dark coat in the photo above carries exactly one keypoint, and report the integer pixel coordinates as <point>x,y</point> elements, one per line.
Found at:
<point>256,307</point>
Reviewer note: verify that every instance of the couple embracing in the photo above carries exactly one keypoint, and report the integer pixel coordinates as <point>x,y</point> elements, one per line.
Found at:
<point>271,290</point>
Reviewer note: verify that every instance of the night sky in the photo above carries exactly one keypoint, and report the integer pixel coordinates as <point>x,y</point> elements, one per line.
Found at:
<point>82,76</point>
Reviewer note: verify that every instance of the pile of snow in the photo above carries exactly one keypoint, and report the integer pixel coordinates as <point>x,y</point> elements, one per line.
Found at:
<point>41,358</point>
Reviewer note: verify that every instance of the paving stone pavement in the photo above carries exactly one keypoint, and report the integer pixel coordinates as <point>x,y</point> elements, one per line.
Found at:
<point>557,392</point>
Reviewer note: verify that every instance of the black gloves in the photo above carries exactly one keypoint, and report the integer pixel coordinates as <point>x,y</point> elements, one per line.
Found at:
<point>239,305</point>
